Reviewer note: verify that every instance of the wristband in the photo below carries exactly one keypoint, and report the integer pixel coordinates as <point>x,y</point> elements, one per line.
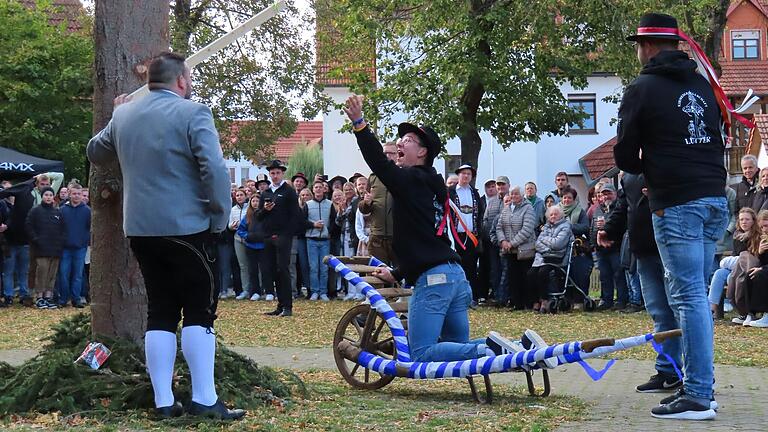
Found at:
<point>358,122</point>
<point>358,129</point>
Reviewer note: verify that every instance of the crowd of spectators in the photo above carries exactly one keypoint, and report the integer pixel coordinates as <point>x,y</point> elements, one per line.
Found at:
<point>45,234</point>
<point>509,237</point>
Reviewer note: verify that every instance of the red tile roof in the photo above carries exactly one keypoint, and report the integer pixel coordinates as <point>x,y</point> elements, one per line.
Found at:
<point>739,76</point>
<point>761,121</point>
<point>307,133</point>
<point>761,6</point>
<point>68,11</point>
<point>598,163</point>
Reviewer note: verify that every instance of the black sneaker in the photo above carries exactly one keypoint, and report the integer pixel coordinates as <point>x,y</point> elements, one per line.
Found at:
<point>604,306</point>
<point>683,408</point>
<point>51,304</point>
<point>632,308</point>
<point>660,383</point>
<point>712,402</point>
<point>41,304</point>
<point>8,300</point>
<point>275,312</point>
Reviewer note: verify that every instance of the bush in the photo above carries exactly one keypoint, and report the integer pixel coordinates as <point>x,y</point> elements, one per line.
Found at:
<point>305,159</point>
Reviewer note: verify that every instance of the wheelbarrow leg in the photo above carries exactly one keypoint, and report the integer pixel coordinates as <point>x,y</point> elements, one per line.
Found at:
<point>488,390</point>
<point>532,388</point>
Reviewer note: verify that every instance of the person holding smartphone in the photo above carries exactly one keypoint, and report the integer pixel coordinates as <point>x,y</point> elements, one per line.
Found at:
<point>279,212</point>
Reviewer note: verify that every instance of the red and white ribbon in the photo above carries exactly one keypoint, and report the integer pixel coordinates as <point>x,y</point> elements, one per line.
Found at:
<point>705,68</point>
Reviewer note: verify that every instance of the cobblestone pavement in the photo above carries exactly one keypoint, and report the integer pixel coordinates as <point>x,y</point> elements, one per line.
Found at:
<point>742,392</point>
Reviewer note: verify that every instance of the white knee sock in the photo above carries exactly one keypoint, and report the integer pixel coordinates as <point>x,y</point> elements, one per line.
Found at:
<point>199,347</point>
<point>160,352</point>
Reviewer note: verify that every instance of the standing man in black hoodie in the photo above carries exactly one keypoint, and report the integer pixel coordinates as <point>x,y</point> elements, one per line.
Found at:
<point>671,130</point>
<point>441,294</point>
<point>279,212</point>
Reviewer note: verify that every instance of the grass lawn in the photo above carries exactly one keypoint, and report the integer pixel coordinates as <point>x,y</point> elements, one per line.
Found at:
<point>242,323</point>
<point>331,405</point>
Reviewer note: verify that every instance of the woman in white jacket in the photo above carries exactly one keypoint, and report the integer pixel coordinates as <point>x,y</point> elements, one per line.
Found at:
<point>235,216</point>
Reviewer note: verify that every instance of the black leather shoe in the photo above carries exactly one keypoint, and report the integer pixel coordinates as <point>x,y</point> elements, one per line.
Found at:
<point>275,312</point>
<point>217,411</point>
<point>175,410</point>
<point>286,313</point>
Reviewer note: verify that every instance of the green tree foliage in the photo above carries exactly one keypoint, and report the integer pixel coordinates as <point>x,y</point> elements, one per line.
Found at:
<point>266,76</point>
<point>305,159</point>
<point>492,65</point>
<point>45,86</point>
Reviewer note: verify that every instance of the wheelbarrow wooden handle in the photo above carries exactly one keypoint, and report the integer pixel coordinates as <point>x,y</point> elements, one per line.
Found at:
<point>662,336</point>
<point>590,345</point>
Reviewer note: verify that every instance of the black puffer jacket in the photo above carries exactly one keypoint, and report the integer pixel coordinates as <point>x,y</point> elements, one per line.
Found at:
<point>46,231</point>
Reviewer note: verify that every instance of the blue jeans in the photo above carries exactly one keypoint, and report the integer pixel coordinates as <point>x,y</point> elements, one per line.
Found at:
<point>633,283</point>
<point>717,286</point>
<point>318,271</point>
<point>224,264</point>
<point>612,276</point>
<point>71,274</point>
<point>656,295</point>
<point>686,235</point>
<point>16,264</point>
<point>438,321</point>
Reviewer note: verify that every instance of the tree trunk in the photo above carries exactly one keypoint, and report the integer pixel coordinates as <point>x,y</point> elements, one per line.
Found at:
<point>126,35</point>
<point>714,37</point>
<point>473,94</point>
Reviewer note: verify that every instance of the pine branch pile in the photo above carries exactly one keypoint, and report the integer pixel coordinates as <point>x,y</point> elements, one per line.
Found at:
<point>51,382</point>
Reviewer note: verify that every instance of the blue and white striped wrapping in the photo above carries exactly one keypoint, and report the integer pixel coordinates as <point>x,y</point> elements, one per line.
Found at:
<point>463,368</point>
<point>620,344</point>
<point>379,304</point>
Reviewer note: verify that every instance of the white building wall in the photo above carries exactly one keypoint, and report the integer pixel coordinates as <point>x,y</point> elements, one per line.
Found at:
<point>521,162</point>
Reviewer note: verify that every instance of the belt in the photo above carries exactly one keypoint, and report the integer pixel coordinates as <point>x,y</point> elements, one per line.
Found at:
<point>317,238</point>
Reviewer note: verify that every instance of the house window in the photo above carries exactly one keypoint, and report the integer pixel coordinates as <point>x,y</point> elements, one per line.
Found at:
<point>585,104</point>
<point>232,175</point>
<point>244,174</point>
<point>746,45</point>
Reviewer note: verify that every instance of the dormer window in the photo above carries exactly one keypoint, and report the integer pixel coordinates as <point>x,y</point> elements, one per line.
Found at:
<point>745,44</point>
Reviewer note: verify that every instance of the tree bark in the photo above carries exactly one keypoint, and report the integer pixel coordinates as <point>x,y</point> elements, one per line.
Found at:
<point>126,34</point>
<point>714,37</point>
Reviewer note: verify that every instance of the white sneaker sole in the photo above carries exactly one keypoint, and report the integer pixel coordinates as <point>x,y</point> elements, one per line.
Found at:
<point>709,414</point>
<point>538,342</point>
<point>505,343</point>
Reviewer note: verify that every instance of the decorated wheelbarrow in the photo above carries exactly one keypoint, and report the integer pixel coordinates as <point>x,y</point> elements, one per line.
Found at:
<point>370,344</point>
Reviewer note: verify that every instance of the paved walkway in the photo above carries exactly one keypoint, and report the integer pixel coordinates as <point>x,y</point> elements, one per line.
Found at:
<point>742,392</point>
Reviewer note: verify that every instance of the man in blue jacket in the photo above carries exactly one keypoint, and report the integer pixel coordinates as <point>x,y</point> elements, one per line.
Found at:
<point>77,223</point>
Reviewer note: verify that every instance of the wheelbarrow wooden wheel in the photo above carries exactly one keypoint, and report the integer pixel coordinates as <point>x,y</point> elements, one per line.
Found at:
<point>363,327</point>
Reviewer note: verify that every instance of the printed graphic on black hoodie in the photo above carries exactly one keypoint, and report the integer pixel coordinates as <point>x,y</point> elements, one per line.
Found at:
<point>670,113</point>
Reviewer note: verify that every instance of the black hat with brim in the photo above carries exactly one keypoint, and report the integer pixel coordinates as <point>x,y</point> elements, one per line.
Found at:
<point>342,179</point>
<point>466,166</point>
<point>656,26</point>
<point>427,136</point>
<point>300,175</point>
<point>277,163</point>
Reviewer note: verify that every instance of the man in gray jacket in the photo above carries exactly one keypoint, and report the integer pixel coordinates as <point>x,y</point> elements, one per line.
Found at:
<point>167,146</point>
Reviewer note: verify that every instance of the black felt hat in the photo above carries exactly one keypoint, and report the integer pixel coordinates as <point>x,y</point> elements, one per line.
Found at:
<point>277,163</point>
<point>657,26</point>
<point>427,136</point>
